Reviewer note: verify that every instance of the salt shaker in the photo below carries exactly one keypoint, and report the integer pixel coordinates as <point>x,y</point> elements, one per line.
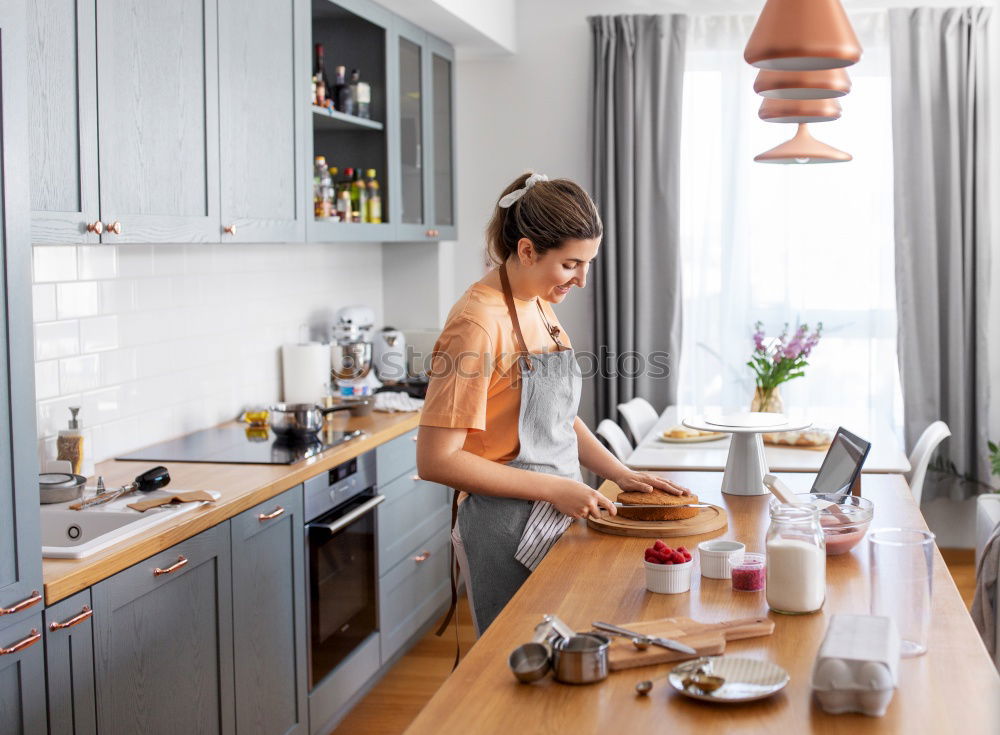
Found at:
<point>796,560</point>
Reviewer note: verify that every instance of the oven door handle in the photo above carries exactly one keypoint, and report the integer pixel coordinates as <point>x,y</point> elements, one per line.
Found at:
<point>349,518</point>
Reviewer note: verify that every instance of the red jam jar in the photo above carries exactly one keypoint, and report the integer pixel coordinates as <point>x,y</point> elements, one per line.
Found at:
<point>749,574</point>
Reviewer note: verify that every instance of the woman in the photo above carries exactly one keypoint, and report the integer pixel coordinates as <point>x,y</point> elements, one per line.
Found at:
<point>499,422</point>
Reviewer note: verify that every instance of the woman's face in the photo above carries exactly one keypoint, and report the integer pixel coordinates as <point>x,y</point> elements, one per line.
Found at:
<point>556,271</point>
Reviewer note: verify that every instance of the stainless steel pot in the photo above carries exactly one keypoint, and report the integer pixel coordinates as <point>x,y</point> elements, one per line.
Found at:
<point>59,487</point>
<point>304,420</point>
<point>581,659</point>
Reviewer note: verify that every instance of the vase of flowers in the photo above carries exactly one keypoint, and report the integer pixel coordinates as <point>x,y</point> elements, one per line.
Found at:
<point>779,361</point>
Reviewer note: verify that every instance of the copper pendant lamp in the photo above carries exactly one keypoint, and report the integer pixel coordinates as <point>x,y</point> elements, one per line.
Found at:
<point>802,35</point>
<point>802,85</point>
<point>803,148</point>
<point>799,111</point>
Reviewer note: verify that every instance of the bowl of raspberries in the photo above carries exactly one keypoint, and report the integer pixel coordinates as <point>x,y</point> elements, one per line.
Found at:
<point>668,571</point>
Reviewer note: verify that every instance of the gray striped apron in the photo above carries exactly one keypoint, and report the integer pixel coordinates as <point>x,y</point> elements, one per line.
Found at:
<point>504,539</point>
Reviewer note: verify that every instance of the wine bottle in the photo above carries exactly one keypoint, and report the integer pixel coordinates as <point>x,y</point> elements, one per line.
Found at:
<point>321,84</point>
<point>342,92</point>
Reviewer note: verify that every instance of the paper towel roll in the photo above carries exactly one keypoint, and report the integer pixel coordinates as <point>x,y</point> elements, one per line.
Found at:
<point>305,372</point>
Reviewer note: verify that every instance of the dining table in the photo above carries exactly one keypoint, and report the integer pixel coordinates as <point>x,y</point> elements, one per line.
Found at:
<point>653,453</point>
<point>591,576</point>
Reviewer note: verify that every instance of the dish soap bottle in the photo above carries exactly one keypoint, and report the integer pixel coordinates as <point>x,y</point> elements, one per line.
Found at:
<point>69,446</point>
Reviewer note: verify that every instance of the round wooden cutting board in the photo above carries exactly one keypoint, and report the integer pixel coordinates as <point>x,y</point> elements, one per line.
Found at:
<point>708,520</point>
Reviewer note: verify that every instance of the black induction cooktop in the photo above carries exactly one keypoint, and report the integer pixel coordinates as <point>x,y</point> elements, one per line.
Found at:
<point>239,444</point>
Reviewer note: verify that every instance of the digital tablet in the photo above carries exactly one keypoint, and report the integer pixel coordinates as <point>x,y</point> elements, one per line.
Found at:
<point>842,463</point>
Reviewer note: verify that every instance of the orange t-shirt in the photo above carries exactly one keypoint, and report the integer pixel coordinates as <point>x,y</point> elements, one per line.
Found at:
<point>474,365</point>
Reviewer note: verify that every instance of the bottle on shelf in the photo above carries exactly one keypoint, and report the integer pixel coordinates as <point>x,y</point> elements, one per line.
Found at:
<point>322,190</point>
<point>359,197</point>
<point>345,206</point>
<point>342,101</point>
<point>321,85</point>
<point>361,94</point>
<point>374,212</point>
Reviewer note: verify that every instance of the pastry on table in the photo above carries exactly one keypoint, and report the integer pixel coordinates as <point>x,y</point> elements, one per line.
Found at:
<point>684,432</point>
<point>662,506</point>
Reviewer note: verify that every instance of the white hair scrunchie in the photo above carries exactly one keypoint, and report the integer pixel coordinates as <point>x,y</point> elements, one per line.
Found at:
<point>509,199</point>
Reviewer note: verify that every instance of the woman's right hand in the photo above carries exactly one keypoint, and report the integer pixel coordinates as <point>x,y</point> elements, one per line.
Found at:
<point>579,500</point>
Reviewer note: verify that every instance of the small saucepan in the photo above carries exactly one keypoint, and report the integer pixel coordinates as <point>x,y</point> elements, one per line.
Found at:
<point>304,420</point>
<point>58,487</point>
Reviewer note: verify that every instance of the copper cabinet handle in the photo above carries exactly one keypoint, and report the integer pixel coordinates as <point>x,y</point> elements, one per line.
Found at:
<point>24,604</point>
<point>33,637</point>
<point>415,478</point>
<point>414,437</point>
<point>229,229</point>
<point>181,561</point>
<point>115,227</point>
<point>96,227</point>
<point>424,556</point>
<point>430,233</point>
<point>273,514</point>
<point>75,620</point>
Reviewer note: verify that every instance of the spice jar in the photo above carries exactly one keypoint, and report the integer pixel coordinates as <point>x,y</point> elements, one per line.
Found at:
<point>796,560</point>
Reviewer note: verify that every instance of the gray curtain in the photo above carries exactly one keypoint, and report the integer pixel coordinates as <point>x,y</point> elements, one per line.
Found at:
<point>638,73</point>
<point>943,197</point>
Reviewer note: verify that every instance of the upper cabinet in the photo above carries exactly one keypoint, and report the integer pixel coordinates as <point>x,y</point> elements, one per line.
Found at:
<point>198,121</point>
<point>262,79</point>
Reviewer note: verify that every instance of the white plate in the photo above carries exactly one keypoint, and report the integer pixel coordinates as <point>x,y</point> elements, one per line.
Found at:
<point>747,679</point>
<point>748,419</point>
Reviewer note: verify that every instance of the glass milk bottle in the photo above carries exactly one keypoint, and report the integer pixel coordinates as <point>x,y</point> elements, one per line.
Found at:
<point>796,560</point>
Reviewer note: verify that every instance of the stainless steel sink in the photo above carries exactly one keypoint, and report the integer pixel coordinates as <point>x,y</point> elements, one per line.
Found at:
<point>76,534</point>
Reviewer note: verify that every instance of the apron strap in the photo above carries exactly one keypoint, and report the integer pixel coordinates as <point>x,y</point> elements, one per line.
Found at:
<point>454,573</point>
<point>522,349</point>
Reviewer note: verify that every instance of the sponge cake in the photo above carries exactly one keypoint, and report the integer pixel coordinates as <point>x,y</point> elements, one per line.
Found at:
<point>661,506</point>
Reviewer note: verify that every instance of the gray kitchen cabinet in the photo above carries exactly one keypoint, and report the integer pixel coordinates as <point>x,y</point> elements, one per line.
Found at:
<point>69,666</point>
<point>20,543</point>
<point>158,126</point>
<point>62,110</point>
<point>396,457</point>
<point>263,75</point>
<point>441,137</point>
<point>163,641</point>
<point>413,510</point>
<point>413,591</point>
<point>269,617</point>
<point>22,670</point>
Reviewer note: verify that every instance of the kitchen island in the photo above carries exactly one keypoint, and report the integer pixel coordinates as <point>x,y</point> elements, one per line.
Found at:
<point>591,576</point>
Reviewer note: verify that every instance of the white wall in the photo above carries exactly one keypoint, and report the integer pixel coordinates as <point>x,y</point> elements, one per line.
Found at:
<point>153,341</point>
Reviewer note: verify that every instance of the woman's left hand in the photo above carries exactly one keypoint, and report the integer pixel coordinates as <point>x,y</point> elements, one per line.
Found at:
<point>645,483</point>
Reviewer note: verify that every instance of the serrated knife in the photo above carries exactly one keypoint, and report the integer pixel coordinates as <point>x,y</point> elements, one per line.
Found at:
<point>667,643</point>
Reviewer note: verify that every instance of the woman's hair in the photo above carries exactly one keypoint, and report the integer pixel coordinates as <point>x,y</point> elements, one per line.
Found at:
<point>548,214</point>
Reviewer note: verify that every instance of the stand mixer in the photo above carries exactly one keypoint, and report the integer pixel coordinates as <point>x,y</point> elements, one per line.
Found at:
<point>351,352</point>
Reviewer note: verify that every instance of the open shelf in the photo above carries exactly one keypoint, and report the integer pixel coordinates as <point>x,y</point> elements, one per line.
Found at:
<point>327,119</point>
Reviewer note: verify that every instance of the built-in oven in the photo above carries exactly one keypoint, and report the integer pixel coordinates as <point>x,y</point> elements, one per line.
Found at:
<point>340,557</point>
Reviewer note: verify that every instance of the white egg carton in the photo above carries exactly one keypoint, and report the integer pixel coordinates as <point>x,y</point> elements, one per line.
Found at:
<point>857,665</point>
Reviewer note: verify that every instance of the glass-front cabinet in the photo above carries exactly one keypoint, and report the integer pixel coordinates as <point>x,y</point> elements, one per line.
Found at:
<point>381,145</point>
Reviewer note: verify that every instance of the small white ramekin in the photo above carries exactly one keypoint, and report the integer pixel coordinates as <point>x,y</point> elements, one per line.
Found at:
<point>668,579</point>
<point>718,556</point>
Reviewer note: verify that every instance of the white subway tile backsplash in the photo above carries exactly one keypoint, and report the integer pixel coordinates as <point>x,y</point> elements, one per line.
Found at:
<point>76,299</point>
<point>135,261</point>
<point>43,302</point>
<point>99,334</point>
<point>97,262</point>
<point>116,297</point>
<point>54,263</point>
<point>156,340</point>
<point>56,339</point>
<point>81,373</point>
<point>46,379</point>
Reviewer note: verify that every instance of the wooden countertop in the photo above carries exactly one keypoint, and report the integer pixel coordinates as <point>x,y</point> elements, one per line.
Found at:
<point>591,576</point>
<point>242,486</point>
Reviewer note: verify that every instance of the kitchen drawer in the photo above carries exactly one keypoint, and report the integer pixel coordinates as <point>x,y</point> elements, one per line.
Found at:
<point>413,590</point>
<point>396,457</point>
<point>412,512</point>
<point>69,663</point>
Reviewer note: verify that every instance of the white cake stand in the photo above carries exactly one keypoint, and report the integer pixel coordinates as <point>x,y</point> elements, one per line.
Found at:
<point>746,464</point>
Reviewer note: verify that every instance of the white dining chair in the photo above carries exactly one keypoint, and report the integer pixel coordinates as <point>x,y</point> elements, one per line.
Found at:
<point>920,457</point>
<point>616,440</point>
<point>639,417</point>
